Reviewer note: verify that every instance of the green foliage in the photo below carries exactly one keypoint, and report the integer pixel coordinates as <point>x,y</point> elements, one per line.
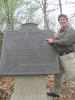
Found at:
<point>28,12</point>
<point>13,13</point>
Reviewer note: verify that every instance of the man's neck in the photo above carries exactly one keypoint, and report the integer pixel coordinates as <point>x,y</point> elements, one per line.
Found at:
<point>63,27</point>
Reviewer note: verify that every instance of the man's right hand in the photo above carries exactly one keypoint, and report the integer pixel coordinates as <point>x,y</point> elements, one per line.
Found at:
<point>55,35</point>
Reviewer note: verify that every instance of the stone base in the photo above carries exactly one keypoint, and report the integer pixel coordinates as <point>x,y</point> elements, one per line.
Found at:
<point>30,88</point>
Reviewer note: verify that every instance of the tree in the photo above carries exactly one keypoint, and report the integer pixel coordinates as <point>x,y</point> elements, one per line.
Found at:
<point>8,8</point>
<point>30,12</point>
<point>60,6</point>
<point>1,41</point>
<point>47,8</point>
<point>14,12</point>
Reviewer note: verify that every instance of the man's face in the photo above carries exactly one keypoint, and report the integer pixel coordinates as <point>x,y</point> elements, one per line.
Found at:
<point>63,22</point>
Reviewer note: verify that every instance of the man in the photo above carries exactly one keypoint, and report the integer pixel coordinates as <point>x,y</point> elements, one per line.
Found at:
<point>64,43</point>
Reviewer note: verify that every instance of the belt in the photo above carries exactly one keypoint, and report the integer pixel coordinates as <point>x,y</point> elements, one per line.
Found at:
<point>65,53</point>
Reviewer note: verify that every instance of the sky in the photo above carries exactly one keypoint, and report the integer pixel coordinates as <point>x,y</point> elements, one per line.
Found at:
<point>68,9</point>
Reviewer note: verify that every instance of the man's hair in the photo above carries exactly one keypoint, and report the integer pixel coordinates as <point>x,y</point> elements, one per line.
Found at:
<point>63,15</point>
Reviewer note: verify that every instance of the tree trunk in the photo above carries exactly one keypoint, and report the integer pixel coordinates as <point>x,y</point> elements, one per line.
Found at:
<point>60,5</point>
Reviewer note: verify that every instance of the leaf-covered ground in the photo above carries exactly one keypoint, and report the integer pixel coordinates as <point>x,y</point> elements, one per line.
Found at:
<point>7,88</point>
<point>68,90</point>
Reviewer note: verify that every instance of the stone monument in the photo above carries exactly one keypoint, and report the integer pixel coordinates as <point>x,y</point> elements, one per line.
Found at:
<point>27,55</point>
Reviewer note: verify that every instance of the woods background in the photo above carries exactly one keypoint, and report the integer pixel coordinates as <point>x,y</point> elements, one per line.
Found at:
<point>14,13</point>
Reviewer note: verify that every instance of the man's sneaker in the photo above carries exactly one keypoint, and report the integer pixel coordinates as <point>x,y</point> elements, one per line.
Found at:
<point>53,94</point>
